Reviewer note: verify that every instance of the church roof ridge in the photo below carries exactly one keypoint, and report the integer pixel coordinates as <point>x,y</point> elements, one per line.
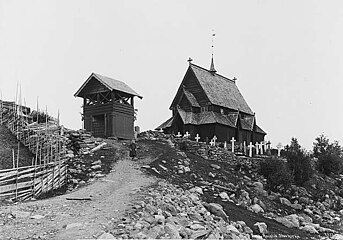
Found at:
<point>216,74</point>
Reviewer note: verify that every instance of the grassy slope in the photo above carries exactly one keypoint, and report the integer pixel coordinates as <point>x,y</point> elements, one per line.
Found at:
<point>7,143</point>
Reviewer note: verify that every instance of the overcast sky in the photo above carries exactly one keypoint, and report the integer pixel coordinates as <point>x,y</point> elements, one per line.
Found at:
<point>286,55</point>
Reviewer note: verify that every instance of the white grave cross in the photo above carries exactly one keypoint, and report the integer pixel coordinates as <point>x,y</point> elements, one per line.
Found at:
<point>197,138</point>
<point>225,145</point>
<point>264,146</point>
<point>212,143</point>
<point>261,147</point>
<point>233,144</point>
<point>178,134</point>
<point>250,149</point>
<point>186,135</point>
<point>279,147</point>
<point>256,146</point>
<point>214,139</point>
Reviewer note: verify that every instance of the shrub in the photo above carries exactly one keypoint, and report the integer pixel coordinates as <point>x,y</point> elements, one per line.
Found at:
<point>329,155</point>
<point>277,174</point>
<point>299,162</point>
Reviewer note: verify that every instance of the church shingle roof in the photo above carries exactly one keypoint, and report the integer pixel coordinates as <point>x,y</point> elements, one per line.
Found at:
<point>220,90</point>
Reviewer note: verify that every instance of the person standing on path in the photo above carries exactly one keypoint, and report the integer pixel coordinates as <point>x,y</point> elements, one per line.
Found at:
<point>133,149</point>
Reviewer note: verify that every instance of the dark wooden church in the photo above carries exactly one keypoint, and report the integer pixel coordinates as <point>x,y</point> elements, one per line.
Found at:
<point>209,104</point>
<point>108,107</point>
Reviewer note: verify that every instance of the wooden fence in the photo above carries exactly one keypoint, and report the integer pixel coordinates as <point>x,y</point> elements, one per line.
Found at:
<point>46,142</point>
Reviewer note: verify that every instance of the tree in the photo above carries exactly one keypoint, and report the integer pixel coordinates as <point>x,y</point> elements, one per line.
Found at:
<point>329,155</point>
<point>277,174</point>
<point>298,162</point>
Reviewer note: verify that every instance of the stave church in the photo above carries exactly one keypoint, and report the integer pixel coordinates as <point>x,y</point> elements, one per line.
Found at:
<point>209,104</point>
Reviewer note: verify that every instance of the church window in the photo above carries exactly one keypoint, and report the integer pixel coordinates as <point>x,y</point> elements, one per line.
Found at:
<point>204,109</point>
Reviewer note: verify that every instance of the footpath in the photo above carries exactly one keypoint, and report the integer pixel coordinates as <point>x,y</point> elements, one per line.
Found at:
<point>58,218</point>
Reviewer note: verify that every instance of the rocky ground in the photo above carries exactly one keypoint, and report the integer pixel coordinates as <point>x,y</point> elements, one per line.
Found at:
<point>175,189</point>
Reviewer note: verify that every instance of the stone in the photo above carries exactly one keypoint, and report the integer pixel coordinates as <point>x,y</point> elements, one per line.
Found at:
<point>337,237</point>
<point>233,229</point>
<point>258,186</point>
<point>21,214</point>
<point>260,228</point>
<point>160,218</point>
<point>296,206</point>
<point>199,234</point>
<point>309,228</point>
<point>170,208</point>
<point>215,166</point>
<point>304,200</point>
<point>106,236</point>
<point>216,210</point>
<point>37,217</point>
<point>96,167</point>
<point>224,195</point>
<point>197,226</point>
<point>256,208</point>
<point>172,231</point>
<point>285,201</point>
<point>211,175</point>
<point>196,190</point>
<point>290,221</point>
<point>256,237</point>
<point>73,225</point>
<point>98,162</point>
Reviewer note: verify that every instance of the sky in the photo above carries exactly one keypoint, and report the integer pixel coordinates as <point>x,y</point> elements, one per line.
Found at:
<point>286,55</point>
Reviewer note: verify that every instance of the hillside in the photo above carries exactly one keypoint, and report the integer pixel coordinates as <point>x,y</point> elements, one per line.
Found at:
<point>199,192</point>
<point>7,143</point>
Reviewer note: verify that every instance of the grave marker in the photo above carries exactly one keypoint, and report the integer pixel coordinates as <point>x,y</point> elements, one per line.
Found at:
<point>225,145</point>
<point>250,149</point>
<point>197,138</point>
<point>261,147</point>
<point>178,135</point>
<point>279,147</point>
<point>214,139</point>
<point>186,135</point>
<point>256,146</point>
<point>212,143</point>
<point>245,148</point>
<point>233,144</point>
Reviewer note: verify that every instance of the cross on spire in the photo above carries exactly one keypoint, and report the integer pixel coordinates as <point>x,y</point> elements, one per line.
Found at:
<point>212,69</point>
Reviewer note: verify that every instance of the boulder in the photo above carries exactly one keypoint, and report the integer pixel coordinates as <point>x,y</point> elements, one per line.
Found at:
<point>285,201</point>
<point>258,186</point>
<point>196,190</point>
<point>291,221</point>
<point>73,225</point>
<point>224,196</point>
<point>296,206</point>
<point>260,228</point>
<point>106,236</point>
<point>172,231</point>
<point>309,228</point>
<point>215,166</point>
<point>337,237</point>
<point>256,208</point>
<point>216,210</point>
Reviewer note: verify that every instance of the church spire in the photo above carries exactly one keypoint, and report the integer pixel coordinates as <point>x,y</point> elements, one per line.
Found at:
<point>212,69</point>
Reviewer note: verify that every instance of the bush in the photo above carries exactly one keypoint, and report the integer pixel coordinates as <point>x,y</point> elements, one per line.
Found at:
<point>277,174</point>
<point>329,155</point>
<point>299,162</point>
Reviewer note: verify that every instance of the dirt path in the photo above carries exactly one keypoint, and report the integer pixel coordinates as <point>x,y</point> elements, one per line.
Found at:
<point>74,219</point>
